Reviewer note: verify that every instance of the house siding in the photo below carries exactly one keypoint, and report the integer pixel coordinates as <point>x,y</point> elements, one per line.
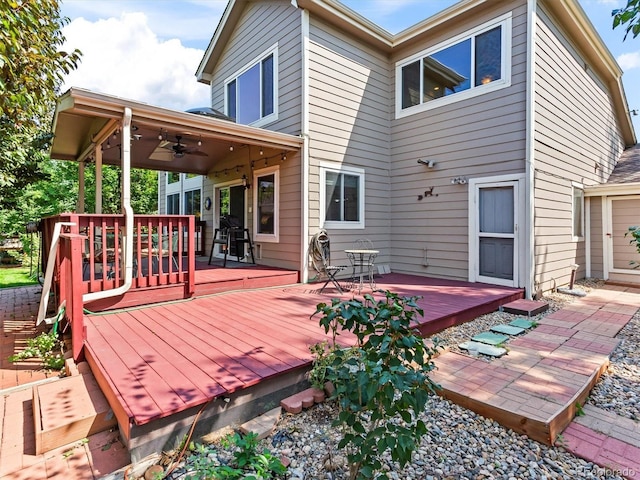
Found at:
<point>349,114</point>
<point>576,140</point>
<point>596,237</point>
<point>478,137</point>
<point>262,25</point>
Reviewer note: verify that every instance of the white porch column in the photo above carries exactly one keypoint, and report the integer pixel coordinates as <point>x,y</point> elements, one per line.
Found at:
<point>80,203</point>
<point>98,155</point>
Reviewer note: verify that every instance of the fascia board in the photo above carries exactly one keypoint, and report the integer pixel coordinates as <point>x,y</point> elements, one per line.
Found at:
<point>612,189</point>
<point>106,106</point>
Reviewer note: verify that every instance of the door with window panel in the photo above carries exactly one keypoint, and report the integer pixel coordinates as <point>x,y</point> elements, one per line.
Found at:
<point>497,233</point>
<point>231,201</point>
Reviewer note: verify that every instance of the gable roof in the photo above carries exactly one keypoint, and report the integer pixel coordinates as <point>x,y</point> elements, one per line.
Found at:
<point>568,12</point>
<point>625,178</point>
<point>627,169</point>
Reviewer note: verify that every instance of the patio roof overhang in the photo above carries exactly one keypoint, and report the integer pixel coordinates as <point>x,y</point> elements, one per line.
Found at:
<point>85,120</point>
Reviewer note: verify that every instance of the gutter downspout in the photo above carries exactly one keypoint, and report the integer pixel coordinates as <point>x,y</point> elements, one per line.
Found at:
<point>530,268</point>
<point>304,244</point>
<point>128,215</point>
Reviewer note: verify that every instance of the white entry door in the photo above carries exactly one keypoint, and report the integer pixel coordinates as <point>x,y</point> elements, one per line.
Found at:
<point>620,253</point>
<point>494,236</point>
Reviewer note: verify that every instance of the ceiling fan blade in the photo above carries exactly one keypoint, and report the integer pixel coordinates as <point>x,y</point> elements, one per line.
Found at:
<point>162,155</point>
<point>197,153</point>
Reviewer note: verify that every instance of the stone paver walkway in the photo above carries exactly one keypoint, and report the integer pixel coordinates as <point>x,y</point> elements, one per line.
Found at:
<point>99,455</point>
<point>548,371</point>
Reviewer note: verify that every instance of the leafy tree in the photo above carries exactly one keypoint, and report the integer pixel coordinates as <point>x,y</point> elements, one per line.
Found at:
<point>628,16</point>
<point>382,384</point>
<point>32,69</point>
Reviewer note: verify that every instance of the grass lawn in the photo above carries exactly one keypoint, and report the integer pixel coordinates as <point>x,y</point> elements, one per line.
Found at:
<point>15,277</point>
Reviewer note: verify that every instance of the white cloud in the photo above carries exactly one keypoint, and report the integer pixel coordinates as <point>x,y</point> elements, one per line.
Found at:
<point>628,61</point>
<point>124,57</point>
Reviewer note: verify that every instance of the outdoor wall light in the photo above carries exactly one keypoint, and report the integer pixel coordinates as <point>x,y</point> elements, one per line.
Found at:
<point>427,163</point>
<point>458,181</point>
<point>245,183</point>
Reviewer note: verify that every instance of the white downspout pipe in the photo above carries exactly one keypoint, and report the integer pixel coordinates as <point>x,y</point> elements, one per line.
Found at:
<point>128,215</point>
<point>530,267</point>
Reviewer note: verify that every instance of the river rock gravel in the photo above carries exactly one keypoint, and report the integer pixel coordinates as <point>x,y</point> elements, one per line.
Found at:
<point>462,444</point>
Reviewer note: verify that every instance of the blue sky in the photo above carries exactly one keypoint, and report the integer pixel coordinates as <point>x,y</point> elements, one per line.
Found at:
<point>149,50</point>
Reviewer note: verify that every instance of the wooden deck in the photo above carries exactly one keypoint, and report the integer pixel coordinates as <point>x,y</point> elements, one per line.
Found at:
<point>161,363</point>
<point>209,279</point>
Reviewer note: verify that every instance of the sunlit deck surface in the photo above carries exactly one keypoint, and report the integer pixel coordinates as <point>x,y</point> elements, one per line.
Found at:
<point>162,359</point>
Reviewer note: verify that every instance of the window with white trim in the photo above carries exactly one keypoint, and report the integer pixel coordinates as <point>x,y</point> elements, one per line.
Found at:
<point>183,194</point>
<point>266,204</point>
<point>577,230</point>
<point>341,197</point>
<point>251,94</point>
<point>476,62</point>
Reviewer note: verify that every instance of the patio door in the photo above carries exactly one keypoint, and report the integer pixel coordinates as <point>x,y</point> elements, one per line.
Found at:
<point>620,214</point>
<point>494,233</point>
<point>230,200</point>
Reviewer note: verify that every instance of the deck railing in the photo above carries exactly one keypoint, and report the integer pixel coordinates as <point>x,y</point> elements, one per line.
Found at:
<point>163,250</point>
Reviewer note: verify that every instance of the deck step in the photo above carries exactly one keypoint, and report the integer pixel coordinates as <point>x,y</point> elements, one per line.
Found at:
<point>69,410</point>
<point>529,308</point>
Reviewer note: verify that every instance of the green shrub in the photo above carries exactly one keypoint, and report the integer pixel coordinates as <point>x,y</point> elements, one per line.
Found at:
<point>382,383</point>
<point>247,462</point>
<point>47,347</point>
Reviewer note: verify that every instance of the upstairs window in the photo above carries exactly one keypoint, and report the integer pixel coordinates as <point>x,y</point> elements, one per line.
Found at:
<point>251,93</point>
<point>467,65</point>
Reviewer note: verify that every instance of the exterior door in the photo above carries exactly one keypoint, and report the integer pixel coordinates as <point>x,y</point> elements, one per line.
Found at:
<point>231,201</point>
<point>495,244</point>
<point>621,253</point>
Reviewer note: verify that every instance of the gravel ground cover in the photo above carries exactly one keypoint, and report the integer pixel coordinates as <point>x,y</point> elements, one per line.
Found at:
<point>460,443</point>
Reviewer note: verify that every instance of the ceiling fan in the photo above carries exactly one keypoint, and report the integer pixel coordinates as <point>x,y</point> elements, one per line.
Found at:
<point>179,149</point>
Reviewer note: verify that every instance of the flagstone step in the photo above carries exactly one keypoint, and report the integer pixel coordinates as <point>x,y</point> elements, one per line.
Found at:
<point>521,323</point>
<point>483,348</point>
<point>490,338</point>
<point>507,329</point>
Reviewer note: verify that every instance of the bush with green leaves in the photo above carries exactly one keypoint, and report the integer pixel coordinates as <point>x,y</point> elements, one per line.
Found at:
<point>634,232</point>
<point>382,383</point>
<point>247,463</point>
<point>47,347</point>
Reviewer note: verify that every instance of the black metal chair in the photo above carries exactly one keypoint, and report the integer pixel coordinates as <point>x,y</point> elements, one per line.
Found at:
<point>232,232</point>
<point>320,249</point>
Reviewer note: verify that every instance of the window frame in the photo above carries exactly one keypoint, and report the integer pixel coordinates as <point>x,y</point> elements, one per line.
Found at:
<point>181,187</point>
<point>341,169</point>
<point>273,116</point>
<point>577,187</point>
<point>505,21</point>
<point>267,237</point>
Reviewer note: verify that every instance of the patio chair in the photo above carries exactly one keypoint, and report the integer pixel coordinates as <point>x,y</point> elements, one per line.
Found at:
<point>232,233</point>
<point>320,250</point>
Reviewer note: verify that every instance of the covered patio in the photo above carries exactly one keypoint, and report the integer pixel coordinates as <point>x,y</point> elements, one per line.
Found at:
<point>102,258</point>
